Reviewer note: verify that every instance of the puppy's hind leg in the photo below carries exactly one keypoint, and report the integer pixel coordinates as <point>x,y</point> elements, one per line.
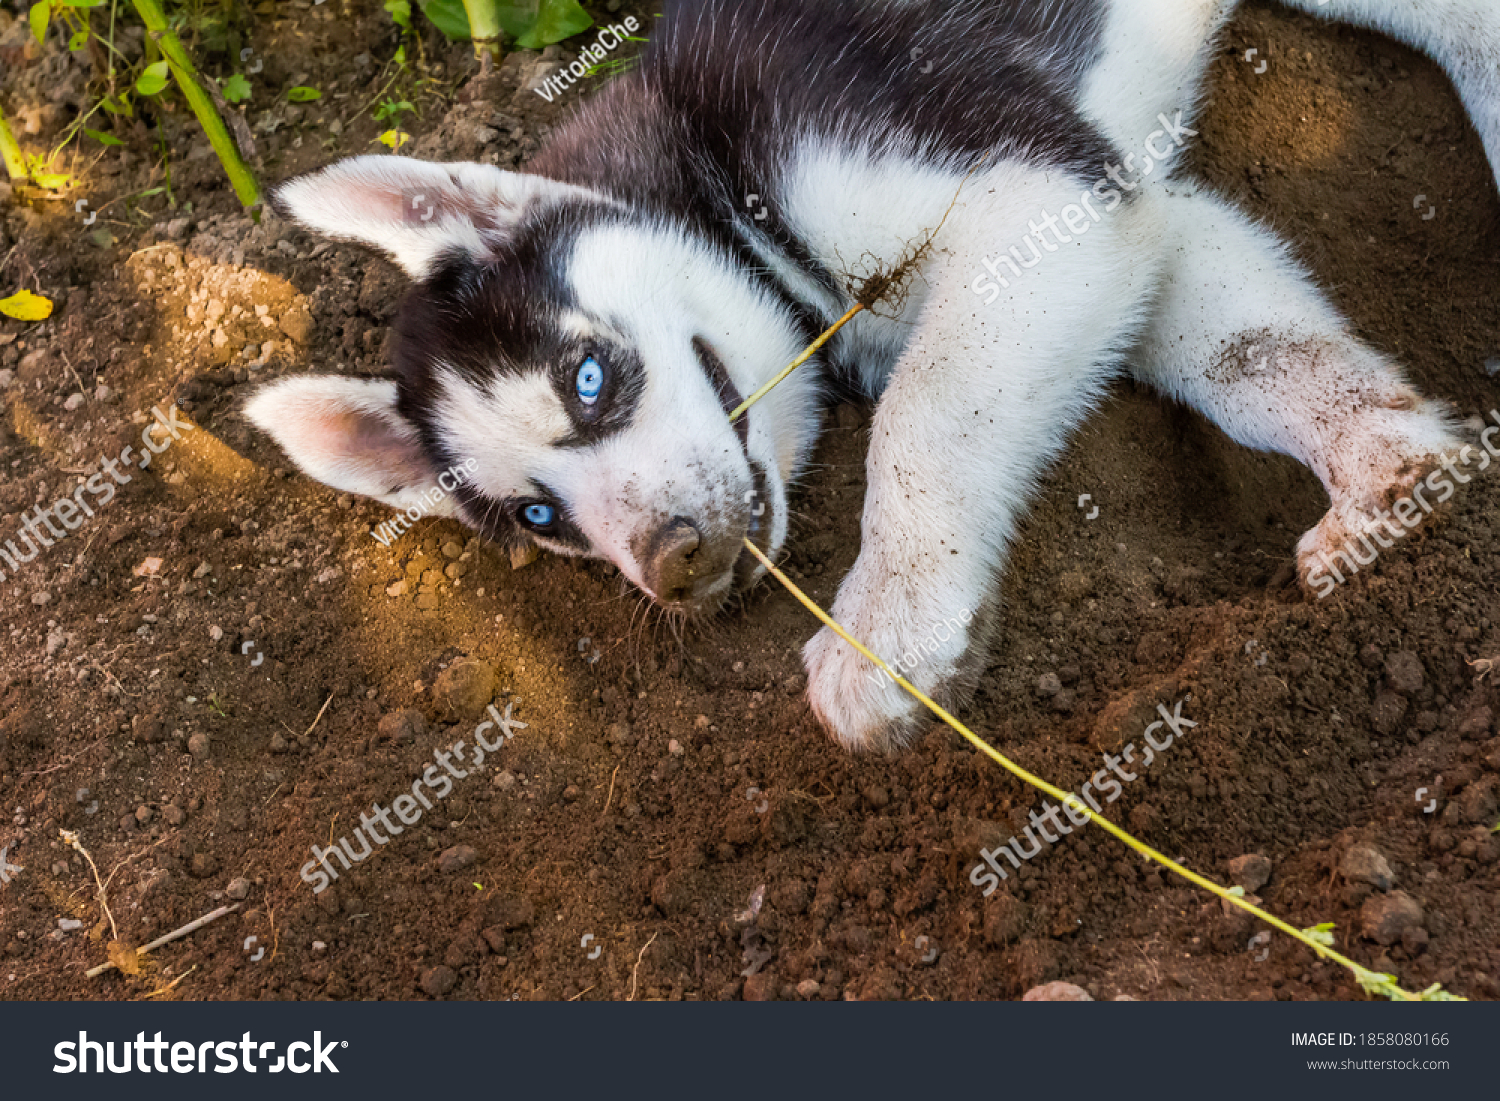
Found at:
<point>1244,336</point>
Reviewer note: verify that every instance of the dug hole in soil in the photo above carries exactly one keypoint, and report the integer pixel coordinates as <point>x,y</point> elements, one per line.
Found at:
<point>203,722</point>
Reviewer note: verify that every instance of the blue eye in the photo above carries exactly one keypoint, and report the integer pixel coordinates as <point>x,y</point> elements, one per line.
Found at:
<point>590,381</point>
<point>539,516</point>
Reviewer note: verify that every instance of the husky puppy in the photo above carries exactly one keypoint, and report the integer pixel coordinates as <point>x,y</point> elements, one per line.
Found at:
<point>579,331</point>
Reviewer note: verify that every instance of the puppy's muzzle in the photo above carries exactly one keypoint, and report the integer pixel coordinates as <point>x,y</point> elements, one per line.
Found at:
<point>682,569</point>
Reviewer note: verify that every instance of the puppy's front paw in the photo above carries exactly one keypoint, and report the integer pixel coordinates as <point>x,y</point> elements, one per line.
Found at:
<point>855,701</point>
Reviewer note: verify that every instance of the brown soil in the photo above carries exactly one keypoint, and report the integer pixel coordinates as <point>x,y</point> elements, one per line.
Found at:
<point>623,819</point>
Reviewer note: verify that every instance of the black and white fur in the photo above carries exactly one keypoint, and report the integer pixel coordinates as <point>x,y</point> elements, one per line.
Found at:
<point>700,220</point>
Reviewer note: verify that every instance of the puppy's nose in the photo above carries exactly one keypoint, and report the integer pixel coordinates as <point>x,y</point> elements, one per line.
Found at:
<point>672,566</point>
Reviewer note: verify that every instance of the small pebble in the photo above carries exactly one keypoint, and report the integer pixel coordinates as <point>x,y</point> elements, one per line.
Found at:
<point>437,981</point>
<point>1056,992</point>
<point>1251,871</point>
<point>464,688</point>
<point>1385,919</point>
<point>1404,670</point>
<point>198,745</point>
<point>457,858</point>
<point>238,888</point>
<point>1365,864</point>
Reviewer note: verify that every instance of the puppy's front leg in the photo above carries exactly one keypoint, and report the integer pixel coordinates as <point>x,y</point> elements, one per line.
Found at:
<point>981,401</point>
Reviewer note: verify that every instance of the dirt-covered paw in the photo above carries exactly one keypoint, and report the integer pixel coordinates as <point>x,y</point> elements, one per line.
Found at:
<point>854,700</point>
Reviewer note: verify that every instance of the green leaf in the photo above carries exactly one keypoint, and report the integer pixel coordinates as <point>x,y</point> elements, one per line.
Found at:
<point>40,15</point>
<point>25,306</point>
<point>555,20</point>
<point>449,17</point>
<point>389,109</point>
<point>1322,934</point>
<point>79,40</point>
<point>102,138</point>
<point>236,88</point>
<point>81,3</point>
<point>400,11</point>
<point>153,80</point>
<point>303,94</point>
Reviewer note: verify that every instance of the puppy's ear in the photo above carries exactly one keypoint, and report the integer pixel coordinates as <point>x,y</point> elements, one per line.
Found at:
<point>416,211</point>
<point>347,434</point>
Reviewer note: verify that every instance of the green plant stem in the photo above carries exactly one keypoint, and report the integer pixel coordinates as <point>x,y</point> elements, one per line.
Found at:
<point>10,152</point>
<point>240,174</point>
<point>484,26</point>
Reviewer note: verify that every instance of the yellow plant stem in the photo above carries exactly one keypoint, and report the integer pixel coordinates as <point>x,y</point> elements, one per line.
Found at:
<point>812,350</point>
<point>1072,801</point>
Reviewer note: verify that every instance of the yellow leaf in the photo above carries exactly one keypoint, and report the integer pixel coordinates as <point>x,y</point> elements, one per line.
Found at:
<point>25,306</point>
